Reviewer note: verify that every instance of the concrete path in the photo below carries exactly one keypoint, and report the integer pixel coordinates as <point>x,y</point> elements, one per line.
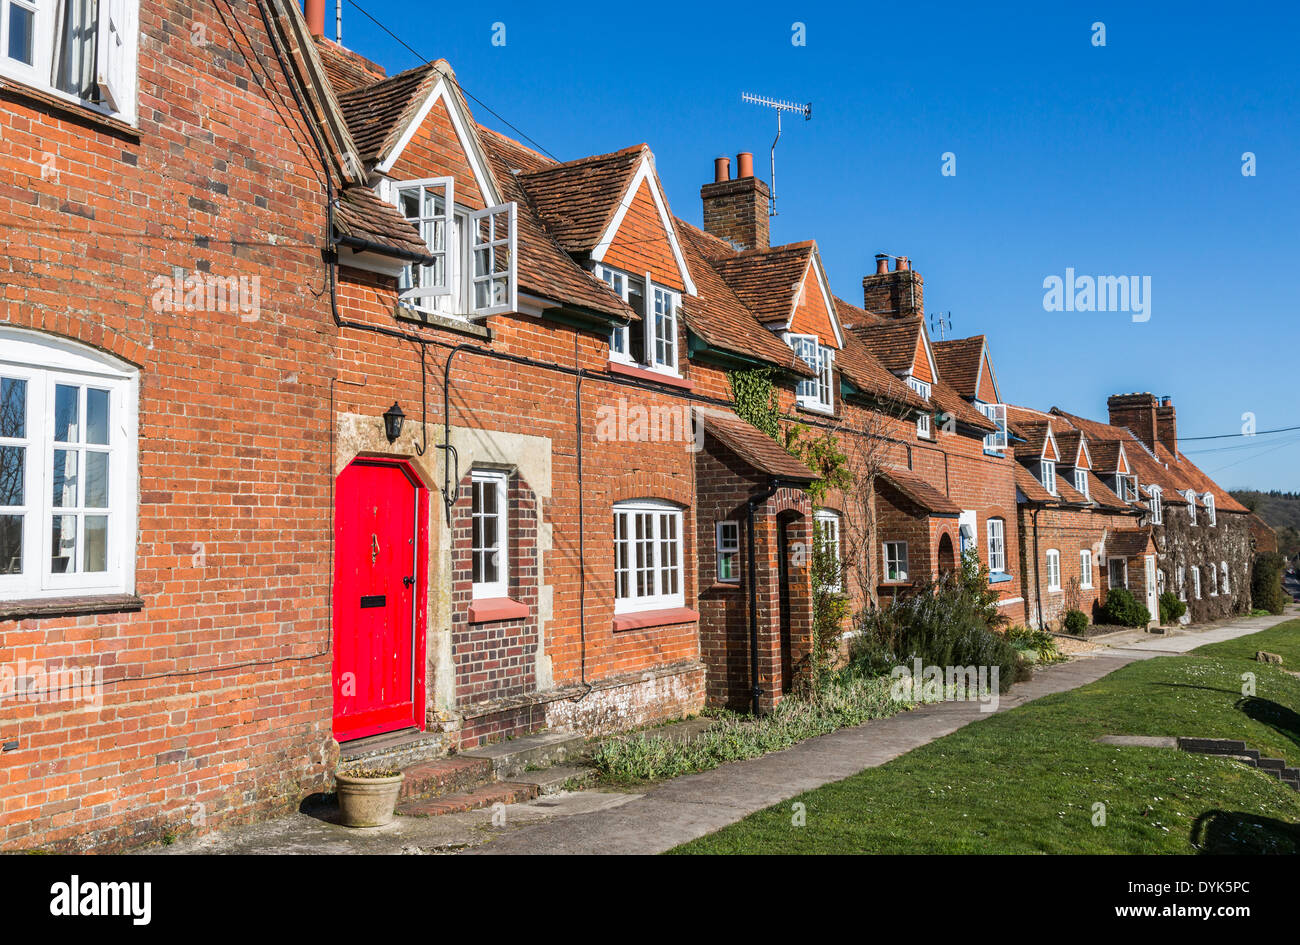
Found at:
<point>692,806</point>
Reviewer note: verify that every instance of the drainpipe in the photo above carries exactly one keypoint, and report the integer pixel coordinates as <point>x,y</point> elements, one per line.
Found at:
<point>751,551</point>
<point>1038,584</point>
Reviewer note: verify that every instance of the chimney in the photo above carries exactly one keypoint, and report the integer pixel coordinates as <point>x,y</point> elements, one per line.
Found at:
<point>736,209</point>
<point>315,10</point>
<point>1167,424</point>
<point>1138,413</point>
<point>900,294</point>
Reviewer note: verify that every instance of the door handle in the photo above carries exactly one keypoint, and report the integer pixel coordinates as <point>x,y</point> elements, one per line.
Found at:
<point>408,581</point>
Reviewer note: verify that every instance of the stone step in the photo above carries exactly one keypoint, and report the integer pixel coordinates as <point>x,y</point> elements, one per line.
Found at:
<point>1213,746</point>
<point>517,755</point>
<point>1271,764</point>
<point>557,778</point>
<point>394,749</point>
<point>452,775</point>
<point>487,795</point>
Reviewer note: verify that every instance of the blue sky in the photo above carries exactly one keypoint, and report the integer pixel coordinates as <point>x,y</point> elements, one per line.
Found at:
<point>1122,160</point>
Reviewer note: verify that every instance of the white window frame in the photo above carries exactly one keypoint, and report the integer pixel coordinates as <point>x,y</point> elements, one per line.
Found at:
<point>728,549</point>
<point>1190,496</point>
<point>116,53</point>
<point>483,479</point>
<point>1110,573</point>
<point>1214,579</point>
<point>1181,578</point>
<point>1160,582</point>
<point>1047,474</point>
<point>827,529</point>
<point>1126,486</point>
<point>1208,498</point>
<point>1223,577</point>
<point>45,363</point>
<point>1081,482</point>
<point>997,413</point>
<point>924,424</point>
<point>1085,568</point>
<point>660,318</point>
<point>1053,560</point>
<point>659,515</point>
<point>1196,582</point>
<point>1157,505</point>
<point>493,287</point>
<point>419,296</point>
<point>995,529</point>
<point>899,561</point>
<point>814,393</point>
<point>620,342</point>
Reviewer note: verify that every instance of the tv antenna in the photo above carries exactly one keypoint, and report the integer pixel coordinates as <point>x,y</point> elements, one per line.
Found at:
<point>779,106</point>
<point>938,321</point>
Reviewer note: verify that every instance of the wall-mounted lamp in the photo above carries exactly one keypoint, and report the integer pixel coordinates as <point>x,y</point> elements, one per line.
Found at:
<point>393,418</point>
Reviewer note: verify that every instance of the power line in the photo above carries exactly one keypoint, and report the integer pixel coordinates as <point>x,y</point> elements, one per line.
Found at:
<point>426,60</point>
<point>1225,436</point>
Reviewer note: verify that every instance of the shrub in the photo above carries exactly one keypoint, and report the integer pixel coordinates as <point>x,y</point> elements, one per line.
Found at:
<point>1076,622</point>
<point>1171,608</point>
<point>943,624</point>
<point>1266,583</point>
<point>1040,642</point>
<point>1123,609</point>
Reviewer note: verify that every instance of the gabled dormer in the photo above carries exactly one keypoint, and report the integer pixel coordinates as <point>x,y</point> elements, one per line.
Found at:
<point>964,363</point>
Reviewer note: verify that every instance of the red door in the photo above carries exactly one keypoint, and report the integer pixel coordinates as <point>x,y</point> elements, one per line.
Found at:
<point>378,538</point>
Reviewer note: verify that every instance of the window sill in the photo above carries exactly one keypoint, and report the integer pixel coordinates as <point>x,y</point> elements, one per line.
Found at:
<point>428,319</point>
<point>70,606</point>
<point>645,374</point>
<point>493,609</point>
<point>84,114</point>
<point>723,586</point>
<point>999,577</point>
<point>641,620</point>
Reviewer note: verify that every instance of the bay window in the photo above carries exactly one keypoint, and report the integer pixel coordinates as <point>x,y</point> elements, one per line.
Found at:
<point>80,50</point>
<point>648,556</point>
<point>67,469</point>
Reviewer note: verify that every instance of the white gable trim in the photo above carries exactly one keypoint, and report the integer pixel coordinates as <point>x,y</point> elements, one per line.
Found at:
<point>1121,464</point>
<point>929,354</point>
<point>1083,450</point>
<point>469,142</point>
<point>645,171</point>
<point>985,360</point>
<point>1056,450</point>
<point>815,265</point>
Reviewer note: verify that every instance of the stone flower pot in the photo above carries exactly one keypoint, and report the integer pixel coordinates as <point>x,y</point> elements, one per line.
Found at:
<point>367,797</point>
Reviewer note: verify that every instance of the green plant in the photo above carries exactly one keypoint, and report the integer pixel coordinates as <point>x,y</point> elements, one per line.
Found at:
<point>1076,622</point>
<point>755,400</point>
<point>943,624</point>
<point>822,454</point>
<point>1266,583</point>
<point>1122,608</point>
<point>830,610</point>
<point>1041,643</point>
<point>1171,608</point>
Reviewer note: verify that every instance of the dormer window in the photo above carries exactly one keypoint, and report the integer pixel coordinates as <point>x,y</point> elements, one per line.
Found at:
<point>652,343</point>
<point>1190,496</point>
<point>1209,508</point>
<point>815,393</point>
<point>1081,482</point>
<point>1047,474</point>
<point>1156,505</point>
<point>924,428</point>
<point>997,413</point>
<point>1126,487</point>
<point>84,52</point>
<point>473,272</point>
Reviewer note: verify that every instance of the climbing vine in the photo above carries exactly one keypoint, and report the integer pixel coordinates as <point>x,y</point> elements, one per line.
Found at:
<point>756,400</point>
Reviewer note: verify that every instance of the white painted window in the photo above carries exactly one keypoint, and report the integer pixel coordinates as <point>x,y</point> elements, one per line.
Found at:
<point>1181,579</point>
<point>1223,577</point>
<point>816,393</point>
<point>652,342</point>
<point>83,51</point>
<point>647,556</point>
<point>1053,569</point>
<point>1196,583</point>
<point>1081,482</point>
<point>1160,583</point>
<point>995,442</point>
<point>1047,474</point>
<point>895,561</point>
<point>67,469</point>
<point>997,559</point>
<point>1118,572</point>
<point>1126,487</point>
<point>1213,574</point>
<point>826,525</point>
<point>924,426</point>
<point>490,534</point>
<point>1190,496</point>
<point>729,552</point>
<point>1085,568</point>
<point>1157,505</point>
<point>474,272</point>
<point>1209,508</point>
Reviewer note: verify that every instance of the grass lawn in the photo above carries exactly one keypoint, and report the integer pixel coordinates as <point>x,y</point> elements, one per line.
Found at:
<point>1027,780</point>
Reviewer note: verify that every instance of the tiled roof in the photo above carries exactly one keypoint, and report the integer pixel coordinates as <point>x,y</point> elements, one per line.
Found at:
<point>363,216</point>
<point>345,69</point>
<point>959,361</point>
<point>869,376</point>
<point>514,156</point>
<point>766,280</point>
<point>892,340</point>
<point>1035,436</point>
<point>1067,441</point>
<point>378,113</point>
<point>577,199</point>
<point>1105,454</point>
<point>755,447</point>
<point>1128,542</point>
<point>1198,480</point>
<point>717,316</point>
<point>920,492</point>
<point>951,402</point>
<point>545,269</point>
<point>1066,492</point>
<point>1103,495</point>
<point>1028,483</point>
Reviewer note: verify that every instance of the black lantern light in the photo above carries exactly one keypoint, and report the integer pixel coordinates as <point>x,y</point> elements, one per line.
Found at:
<point>393,418</point>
